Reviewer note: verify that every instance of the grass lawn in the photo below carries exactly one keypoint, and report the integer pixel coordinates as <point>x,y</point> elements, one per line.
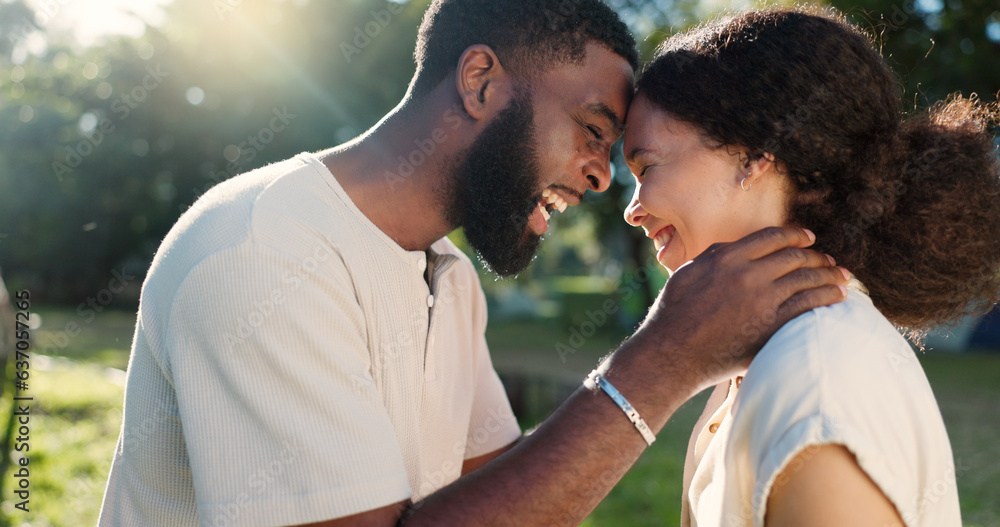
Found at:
<point>76,415</point>
<point>74,421</point>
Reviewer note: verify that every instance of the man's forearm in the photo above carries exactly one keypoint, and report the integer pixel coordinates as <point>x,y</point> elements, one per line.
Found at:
<point>705,327</point>
<point>558,474</point>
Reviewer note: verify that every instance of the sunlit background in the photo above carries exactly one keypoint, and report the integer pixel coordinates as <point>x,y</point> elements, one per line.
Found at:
<point>116,115</point>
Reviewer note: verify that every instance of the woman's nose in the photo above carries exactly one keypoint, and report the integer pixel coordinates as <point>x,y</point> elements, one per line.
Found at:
<point>634,213</point>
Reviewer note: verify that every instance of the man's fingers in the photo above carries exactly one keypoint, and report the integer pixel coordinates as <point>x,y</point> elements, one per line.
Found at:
<point>790,259</point>
<point>807,278</point>
<point>809,288</point>
<point>770,240</point>
<point>807,300</point>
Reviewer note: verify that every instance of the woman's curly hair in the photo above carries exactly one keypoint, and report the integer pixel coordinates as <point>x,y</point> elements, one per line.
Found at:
<point>910,204</point>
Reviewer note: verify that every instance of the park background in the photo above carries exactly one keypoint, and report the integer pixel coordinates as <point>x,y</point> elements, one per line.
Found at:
<point>115,116</point>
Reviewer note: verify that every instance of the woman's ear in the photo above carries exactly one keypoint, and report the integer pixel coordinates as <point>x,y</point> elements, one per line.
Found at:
<point>767,162</point>
<point>765,166</point>
<point>478,79</point>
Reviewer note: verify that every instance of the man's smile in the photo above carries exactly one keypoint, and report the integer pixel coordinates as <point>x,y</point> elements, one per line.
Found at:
<point>556,198</point>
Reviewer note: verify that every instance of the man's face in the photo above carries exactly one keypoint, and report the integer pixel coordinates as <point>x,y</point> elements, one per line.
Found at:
<point>540,154</point>
<point>496,186</point>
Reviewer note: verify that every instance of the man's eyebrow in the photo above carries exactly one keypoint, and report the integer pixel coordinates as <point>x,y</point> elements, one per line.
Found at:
<point>599,108</point>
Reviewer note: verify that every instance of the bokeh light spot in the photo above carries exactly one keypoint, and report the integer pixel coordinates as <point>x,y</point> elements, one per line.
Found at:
<point>231,153</point>
<point>88,122</point>
<point>60,60</point>
<point>993,27</point>
<point>140,147</point>
<point>90,71</point>
<point>17,73</point>
<point>146,51</point>
<point>104,90</point>
<point>930,6</point>
<point>26,114</point>
<point>195,95</point>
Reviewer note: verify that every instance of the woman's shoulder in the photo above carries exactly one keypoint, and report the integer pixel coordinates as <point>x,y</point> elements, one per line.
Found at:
<point>844,375</point>
<point>833,347</point>
<point>833,365</point>
<point>841,362</point>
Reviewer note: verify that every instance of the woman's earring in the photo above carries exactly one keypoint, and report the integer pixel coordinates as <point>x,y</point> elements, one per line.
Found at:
<point>744,180</point>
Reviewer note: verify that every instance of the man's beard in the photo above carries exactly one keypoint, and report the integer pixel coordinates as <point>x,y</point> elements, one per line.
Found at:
<point>495,190</point>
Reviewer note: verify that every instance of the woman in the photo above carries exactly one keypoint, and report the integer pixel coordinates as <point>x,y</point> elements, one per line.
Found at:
<point>792,117</point>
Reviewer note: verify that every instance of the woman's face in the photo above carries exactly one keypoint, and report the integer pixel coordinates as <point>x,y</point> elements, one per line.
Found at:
<point>688,195</point>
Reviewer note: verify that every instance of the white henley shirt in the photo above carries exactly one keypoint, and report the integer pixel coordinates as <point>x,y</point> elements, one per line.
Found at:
<point>291,364</point>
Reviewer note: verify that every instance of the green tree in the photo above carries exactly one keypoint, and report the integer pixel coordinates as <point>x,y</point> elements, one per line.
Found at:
<point>337,67</point>
<point>936,47</point>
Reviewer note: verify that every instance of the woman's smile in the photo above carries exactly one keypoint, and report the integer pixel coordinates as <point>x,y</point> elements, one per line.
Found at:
<point>661,242</point>
<point>688,194</point>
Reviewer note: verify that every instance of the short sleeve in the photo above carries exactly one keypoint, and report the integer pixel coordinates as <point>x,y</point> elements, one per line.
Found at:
<point>282,421</point>
<point>492,424</point>
<point>834,376</point>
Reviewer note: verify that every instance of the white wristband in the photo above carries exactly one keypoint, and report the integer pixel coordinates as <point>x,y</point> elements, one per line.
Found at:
<point>595,380</point>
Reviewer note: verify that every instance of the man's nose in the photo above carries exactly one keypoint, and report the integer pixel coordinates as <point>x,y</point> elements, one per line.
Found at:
<point>598,173</point>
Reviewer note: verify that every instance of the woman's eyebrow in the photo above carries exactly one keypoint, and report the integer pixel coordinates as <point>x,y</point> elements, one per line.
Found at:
<point>603,110</point>
<point>630,156</point>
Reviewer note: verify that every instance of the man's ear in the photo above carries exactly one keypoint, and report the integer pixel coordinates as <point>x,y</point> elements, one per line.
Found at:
<point>480,79</point>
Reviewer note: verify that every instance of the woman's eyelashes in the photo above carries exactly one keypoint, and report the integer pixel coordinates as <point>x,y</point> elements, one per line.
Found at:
<point>641,173</point>
<point>596,132</point>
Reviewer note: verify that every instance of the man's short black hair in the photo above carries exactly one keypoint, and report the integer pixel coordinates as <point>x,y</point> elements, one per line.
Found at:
<point>526,35</point>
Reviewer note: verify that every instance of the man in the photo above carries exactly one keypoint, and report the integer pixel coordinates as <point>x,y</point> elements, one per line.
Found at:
<point>309,347</point>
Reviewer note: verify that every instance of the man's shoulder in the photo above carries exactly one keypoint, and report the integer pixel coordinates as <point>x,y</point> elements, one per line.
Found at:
<point>301,194</point>
<point>220,221</point>
<point>244,188</point>
<point>306,210</point>
<point>222,216</point>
